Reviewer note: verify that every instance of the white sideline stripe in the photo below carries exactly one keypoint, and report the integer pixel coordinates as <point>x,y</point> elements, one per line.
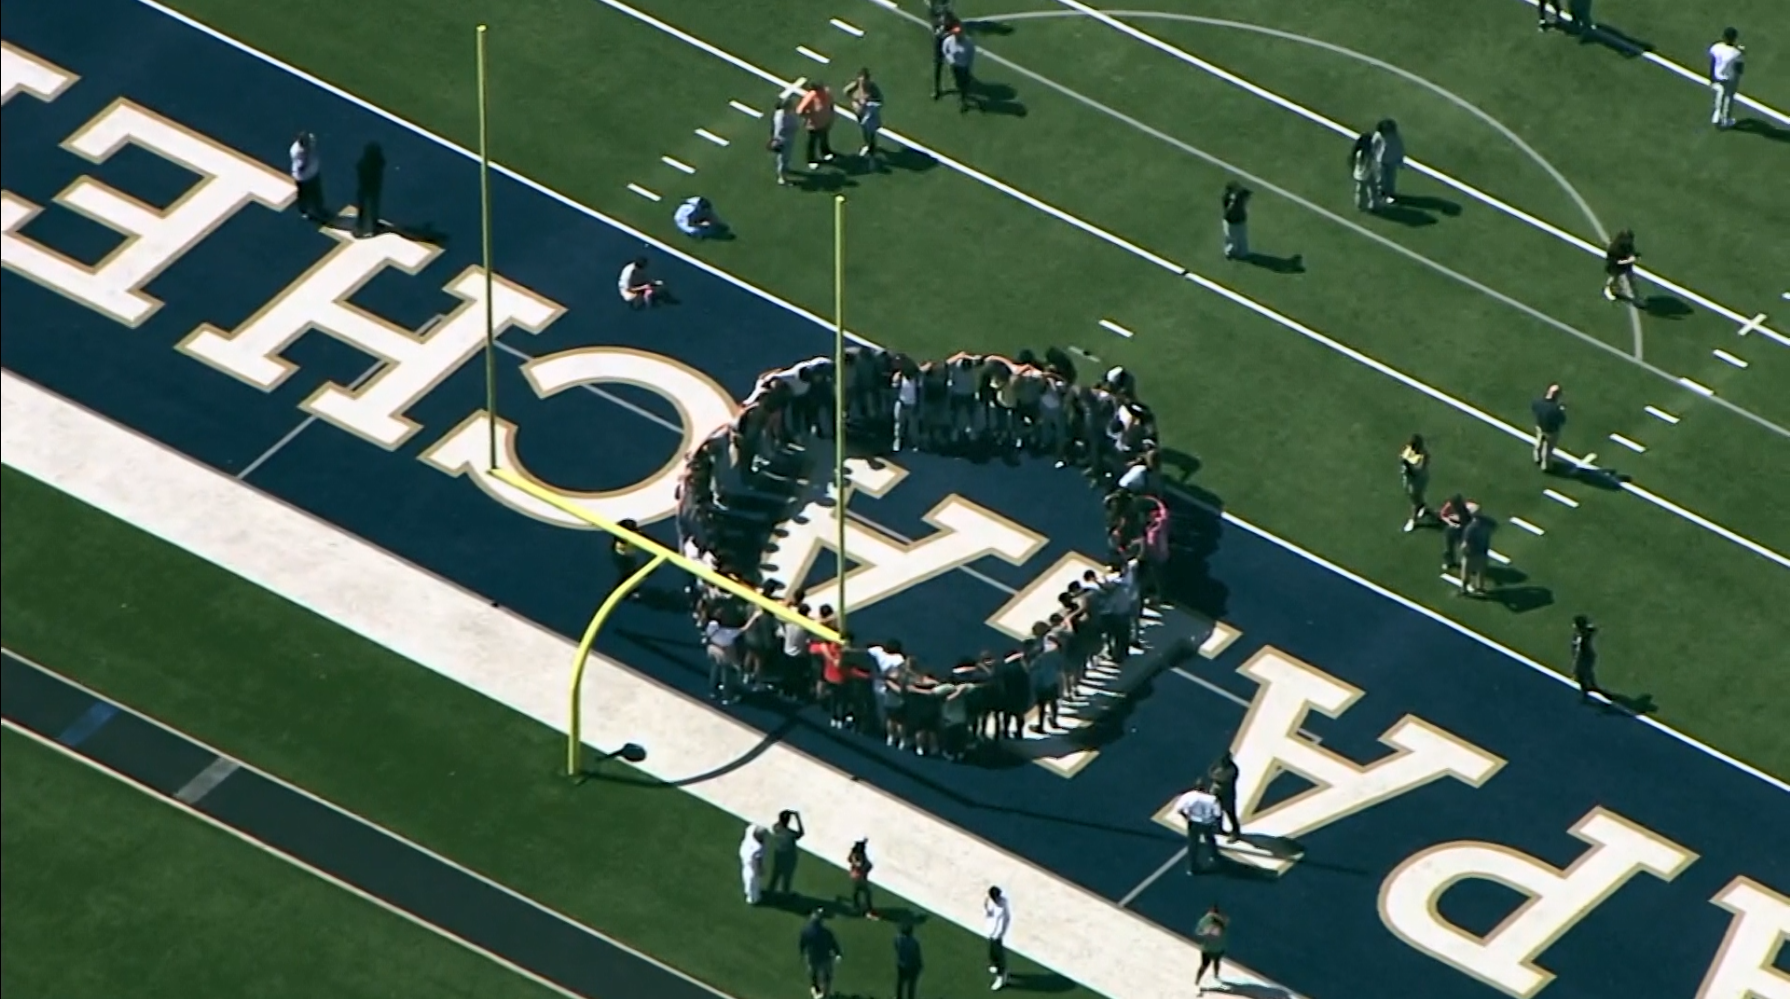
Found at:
<point>1701,80</point>
<point>207,780</point>
<point>676,164</point>
<point>1662,414</point>
<point>1417,165</point>
<point>745,109</point>
<point>827,325</point>
<point>1116,328</point>
<point>1753,324</point>
<point>712,137</point>
<point>317,872</point>
<point>810,53</point>
<point>850,29</point>
<point>1560,497</point>
<point>1169,265</point>
<point>643,192</point>
<point>1525,525</point>
<point>1635,446</point>
<point>1730,358</point>
<point>1696,387</point>
<point>461,636</point>
<point>1498,556</point>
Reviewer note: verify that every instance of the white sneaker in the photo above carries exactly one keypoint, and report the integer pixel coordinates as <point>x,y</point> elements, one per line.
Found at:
<point>1609,295</point>
<point>1410,525</point>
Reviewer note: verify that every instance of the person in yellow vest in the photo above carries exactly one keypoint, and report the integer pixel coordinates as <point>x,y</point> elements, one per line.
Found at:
<point>626,558</point>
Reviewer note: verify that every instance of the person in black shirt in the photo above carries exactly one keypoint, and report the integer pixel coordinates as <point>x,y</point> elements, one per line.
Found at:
<point>909,962</point>
<point>1414,471</point>
<point>1584,658</point>
<point>369,181</point>
<point>1235,206</point>
<point>626,558</point>
<point>1550,419</point>
<point>1619,268</point>
<point>1476,547</point>
<point>1222,775</point>
<point>1454,515</point>
<point>820,951</point>
<point>939,13</point>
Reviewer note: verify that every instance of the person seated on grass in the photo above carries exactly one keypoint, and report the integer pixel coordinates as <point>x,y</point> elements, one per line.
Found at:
<point>637,289</point>
<point>696,217</point>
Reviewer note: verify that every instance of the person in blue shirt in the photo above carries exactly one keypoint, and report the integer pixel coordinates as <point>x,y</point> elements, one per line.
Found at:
<point>820,952</point>
<point>696,217</point>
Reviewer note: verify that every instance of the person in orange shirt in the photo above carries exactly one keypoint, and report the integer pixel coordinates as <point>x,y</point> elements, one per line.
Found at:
<point>816,110</point>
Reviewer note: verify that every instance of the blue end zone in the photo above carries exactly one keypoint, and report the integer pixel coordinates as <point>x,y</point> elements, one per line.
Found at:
<point>1315,928</point>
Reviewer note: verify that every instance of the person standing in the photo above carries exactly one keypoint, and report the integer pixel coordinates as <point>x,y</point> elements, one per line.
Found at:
<point>816,110</point>
<point>626,559</point>
<point>1389,155</point>
<point>858,868</point>
<point>1454,515</point>
<point>1414,471</point>
<point>943,20</point>
<point>1542,10</point>
<point>997,911</point>
<point>1200,808</point>
<point>369,184</point>
<point>752,863</point>
<point>1222,775</point>
<point>867,103</point>
<point>1727,60</point>
<point>820,952</point>
<point>1619,268</point>
<point>785,836</point>
<point>1211,933</point>
<point>959,52</point>
<point>307,173</point>
<point>1550,419</point>
<point>1235,219</point>
<point>1584,658</point>
<point>1362,166</point>
<point>909,962</point>
<point>1476,548</point>
<point>783,137</point>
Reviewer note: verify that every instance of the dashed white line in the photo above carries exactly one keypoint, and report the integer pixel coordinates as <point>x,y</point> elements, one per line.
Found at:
<point>850,29</point>
<point>712,137</point>
<point>1695,387</point>
<point>643,192</point>
<point>1498,556</point>
<point>1560,497</point>
<point>810,53</point>
<point>1730,358</point>
<point>745,109</point>
<point>1635,446</point>
<point>1531,528</point>
<point>677,164</point>
<point>1659,413</point>
<point>1116,328</point>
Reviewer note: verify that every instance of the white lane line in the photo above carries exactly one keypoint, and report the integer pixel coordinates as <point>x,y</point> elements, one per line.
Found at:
<point>1560,497</point>
<point>1655,411</point>
<point>1531,528</point>
<point>1340,129</point>
<point>1155,876</point>
<point>1453,581</point>
<point>1696,387</point>
<point>1527,437</point>
<point>305,423</point>
<point>796,88</point>
<point>1116,328</point>
<point>891,5</point>
<point>1753,324</point>
<point>1635,446</point>
<point>677,164</point>
<point>810,53</point>
<point>1730,358</point>
<point>712,137</point>
<point>643,192</point>
<point>1498,556</point>
<point>850,29</point>
<point>207,780</point>
<point>745,109</point>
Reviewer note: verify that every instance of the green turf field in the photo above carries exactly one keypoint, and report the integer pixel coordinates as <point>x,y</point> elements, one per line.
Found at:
<point>164,907</point>
<point>169,635</point>
<point>1288,433</point>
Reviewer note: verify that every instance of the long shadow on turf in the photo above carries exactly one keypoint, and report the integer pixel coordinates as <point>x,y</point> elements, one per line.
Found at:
<point>1665,307</point>
<point>1761,127</point>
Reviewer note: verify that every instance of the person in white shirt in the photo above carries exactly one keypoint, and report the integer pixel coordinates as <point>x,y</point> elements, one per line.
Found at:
<point>638,290</point>
<point>1389,155</point>
<point>1203,812</point>
<point>752,853</point>
<point>1727,59</point>
<point>997,911</point>
<point>307,173</point>
<point>783,136</point>
<point>907,404</point>
<point>724,659</point>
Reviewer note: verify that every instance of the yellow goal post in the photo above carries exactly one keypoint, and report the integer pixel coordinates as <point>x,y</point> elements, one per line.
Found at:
<point>659,555</point>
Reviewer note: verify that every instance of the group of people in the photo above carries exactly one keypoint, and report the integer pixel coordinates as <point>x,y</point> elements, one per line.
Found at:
<point>739,483</point>
<point>1374,162</point>
<point>810,112</point>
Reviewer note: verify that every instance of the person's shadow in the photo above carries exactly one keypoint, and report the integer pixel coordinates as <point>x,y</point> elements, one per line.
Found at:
<point>1294,264</point>
<point>996,98</point>
<point>1761,127</point>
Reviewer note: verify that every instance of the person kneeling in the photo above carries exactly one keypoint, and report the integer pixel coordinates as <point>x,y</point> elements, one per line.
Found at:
<point>638,290</point>
<point>696,217</point>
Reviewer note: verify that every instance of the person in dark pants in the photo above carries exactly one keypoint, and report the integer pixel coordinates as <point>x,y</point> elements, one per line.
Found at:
<point>1584,658</point>
<point>1542,9</point>
<point>1414,471</point>
<point>369,181</point>
<point>1203,814</point>
<point>1222,776</point>
<point>1550,419</point>
<point>784,836</point>
<point>939,13</point>
<point>1476,548</point>
<point>858,866</point>
<point>1235,206</point>
<point>307,174</point>
<point>1454,516</point>
<point>959,52</point>
<point>820,952</point>
<point>1619,268</point>
<point>909,962</point>
<point>626,558</point>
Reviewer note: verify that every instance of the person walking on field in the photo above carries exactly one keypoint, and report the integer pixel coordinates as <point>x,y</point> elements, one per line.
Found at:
<point>816,109</point>
<point>997,909</point>
<point>1619,268</point>
<point>1211,933</point>
<point>1550,419</point>
<point>909,962</point>
<point>1727,60</point>
<point>1584,658</point>
<point>820,953</point>
<point>1389,156</point>
<point>939,13</point>
<point>959,51</point>
<point>858,867</point>
<point>752,852</point>
<point>1234,207</point>
<point>1414,471</point>
<point>1362,169</point>
<point>867,103</point>
<point>783,137</point>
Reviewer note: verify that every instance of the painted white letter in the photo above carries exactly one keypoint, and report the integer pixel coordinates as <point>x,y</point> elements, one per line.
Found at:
<point>20,71</point>
<point>1744,966</point>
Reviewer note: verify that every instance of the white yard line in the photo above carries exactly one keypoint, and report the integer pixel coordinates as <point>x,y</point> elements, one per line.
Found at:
<point>745,109</point>
<point>1697,387</point>
<point>1525,525</point>
<point>677,164</point>
<point>810,53</point>
<point>1560,498</point>
<point>1658,413</point>
<point>1635,446</point>
<point>643,192</point>
<point>1113,327</point>
<point>1753,324</point>
<point>1498,556</point>
<point>712,137</point>
<point>1726,357</point>
<point>850,29</point>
